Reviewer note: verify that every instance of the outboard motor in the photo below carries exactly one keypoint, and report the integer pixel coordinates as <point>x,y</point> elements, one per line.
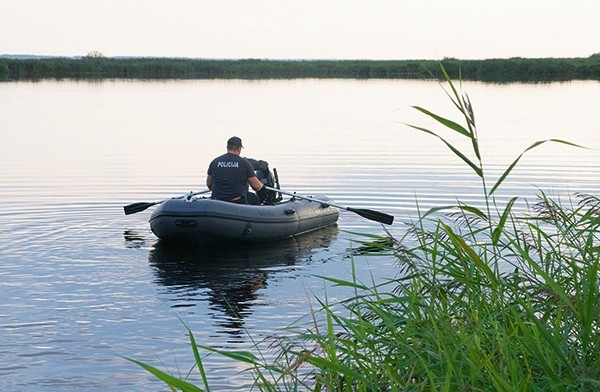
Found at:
<point>264,175</point>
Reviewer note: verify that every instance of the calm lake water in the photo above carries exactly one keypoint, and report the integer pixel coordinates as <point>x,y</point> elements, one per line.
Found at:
<point>82,284</point>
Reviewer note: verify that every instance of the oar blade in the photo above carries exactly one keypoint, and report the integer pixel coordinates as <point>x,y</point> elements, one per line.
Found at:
<point>376,216</point>
<point>137,207</point>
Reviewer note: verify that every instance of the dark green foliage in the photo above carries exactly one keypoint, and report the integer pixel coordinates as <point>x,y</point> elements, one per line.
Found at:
<point>492,70</point>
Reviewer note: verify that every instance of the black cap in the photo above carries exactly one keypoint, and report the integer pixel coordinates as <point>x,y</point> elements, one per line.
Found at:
<point>235,141</point>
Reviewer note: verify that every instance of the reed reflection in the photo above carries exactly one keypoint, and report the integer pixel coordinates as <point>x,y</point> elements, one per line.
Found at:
<point>230,276</point>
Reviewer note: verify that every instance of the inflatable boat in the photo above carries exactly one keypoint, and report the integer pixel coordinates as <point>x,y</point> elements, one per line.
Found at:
<point>193,217</point>
<point>205,219</point>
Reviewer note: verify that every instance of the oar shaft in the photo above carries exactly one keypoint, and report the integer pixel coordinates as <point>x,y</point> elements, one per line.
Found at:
<point>368,214</point>
<point>306,198</point>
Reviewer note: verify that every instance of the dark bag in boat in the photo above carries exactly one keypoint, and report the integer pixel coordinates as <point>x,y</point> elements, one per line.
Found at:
<point>261,168</point>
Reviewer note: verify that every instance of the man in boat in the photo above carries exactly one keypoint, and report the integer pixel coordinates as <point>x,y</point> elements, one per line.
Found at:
<point>229,175</point>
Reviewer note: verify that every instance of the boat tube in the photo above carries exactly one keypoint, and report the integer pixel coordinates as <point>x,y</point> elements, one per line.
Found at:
<point>205,219</point>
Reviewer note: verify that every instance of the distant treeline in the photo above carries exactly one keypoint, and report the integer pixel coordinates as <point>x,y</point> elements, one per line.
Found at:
<point>492,70</point>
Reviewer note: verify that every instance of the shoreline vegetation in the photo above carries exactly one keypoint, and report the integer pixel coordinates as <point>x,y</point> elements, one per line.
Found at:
<point>96,66</point>
<point>499,298</point>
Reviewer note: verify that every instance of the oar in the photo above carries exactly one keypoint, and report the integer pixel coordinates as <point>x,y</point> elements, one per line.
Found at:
<point>369,214</point>
<point>141,206</point>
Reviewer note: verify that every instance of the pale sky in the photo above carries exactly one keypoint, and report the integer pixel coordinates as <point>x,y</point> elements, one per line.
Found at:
<point>302,29</point>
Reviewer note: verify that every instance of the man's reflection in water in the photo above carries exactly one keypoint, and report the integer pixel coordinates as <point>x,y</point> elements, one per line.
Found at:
<point>229,275</point>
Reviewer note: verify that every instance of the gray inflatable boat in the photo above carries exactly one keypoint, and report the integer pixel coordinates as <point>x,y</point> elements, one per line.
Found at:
<point>204,219</point>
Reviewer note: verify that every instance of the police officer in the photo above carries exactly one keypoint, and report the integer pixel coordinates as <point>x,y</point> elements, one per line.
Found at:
<point>228,176</point>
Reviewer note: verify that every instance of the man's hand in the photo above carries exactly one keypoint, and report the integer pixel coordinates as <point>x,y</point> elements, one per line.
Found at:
<point>262,194</point>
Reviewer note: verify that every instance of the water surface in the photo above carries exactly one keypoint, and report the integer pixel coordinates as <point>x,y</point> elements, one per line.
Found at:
<point>82,284</point>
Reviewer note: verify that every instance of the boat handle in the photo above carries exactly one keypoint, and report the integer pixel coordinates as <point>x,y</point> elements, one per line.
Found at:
<point>290,211</point>
<point>186,223</point>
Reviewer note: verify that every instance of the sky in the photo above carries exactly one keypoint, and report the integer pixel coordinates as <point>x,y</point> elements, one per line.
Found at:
<point>302,29</point>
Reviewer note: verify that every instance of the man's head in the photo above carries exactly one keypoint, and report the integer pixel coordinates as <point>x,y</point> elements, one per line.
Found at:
<point>234,143</point>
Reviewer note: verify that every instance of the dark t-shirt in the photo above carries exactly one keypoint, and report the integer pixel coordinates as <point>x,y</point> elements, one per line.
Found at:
<point>230,174</point>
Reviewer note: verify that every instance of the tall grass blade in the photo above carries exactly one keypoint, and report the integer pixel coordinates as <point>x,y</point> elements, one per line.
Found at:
<point>547,335</point>
<point>471,253</point>
<point>470,117</point>
<point>343,283</point>
<point>458,101</point>
<point>242,356</point>
<point>473,210</point>
<point>557,289</point>
<point>591,300</point>
<point>447,123</point>
<point>500,228</point>
<point>198,359</point>
<point>171,381</point>
<point>534,145</point>
<point>473,166</point>
<point>337,367</point>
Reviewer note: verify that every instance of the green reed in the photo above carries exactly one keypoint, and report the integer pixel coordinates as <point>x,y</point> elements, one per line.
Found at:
<point>492,299</point>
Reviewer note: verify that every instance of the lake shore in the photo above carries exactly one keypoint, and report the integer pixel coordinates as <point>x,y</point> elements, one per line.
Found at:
<point>490,70</point>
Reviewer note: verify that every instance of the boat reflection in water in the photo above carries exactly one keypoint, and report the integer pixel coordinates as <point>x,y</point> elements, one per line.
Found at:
<point>230,275</point>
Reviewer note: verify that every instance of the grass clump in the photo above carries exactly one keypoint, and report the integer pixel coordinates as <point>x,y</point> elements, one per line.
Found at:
<point>495,298</point>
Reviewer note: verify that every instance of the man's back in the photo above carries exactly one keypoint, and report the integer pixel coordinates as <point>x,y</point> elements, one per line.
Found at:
<point>230,174</point>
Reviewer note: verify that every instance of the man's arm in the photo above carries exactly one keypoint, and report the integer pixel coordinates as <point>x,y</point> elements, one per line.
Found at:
<point>255,183</point>
<point>261,191</point>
